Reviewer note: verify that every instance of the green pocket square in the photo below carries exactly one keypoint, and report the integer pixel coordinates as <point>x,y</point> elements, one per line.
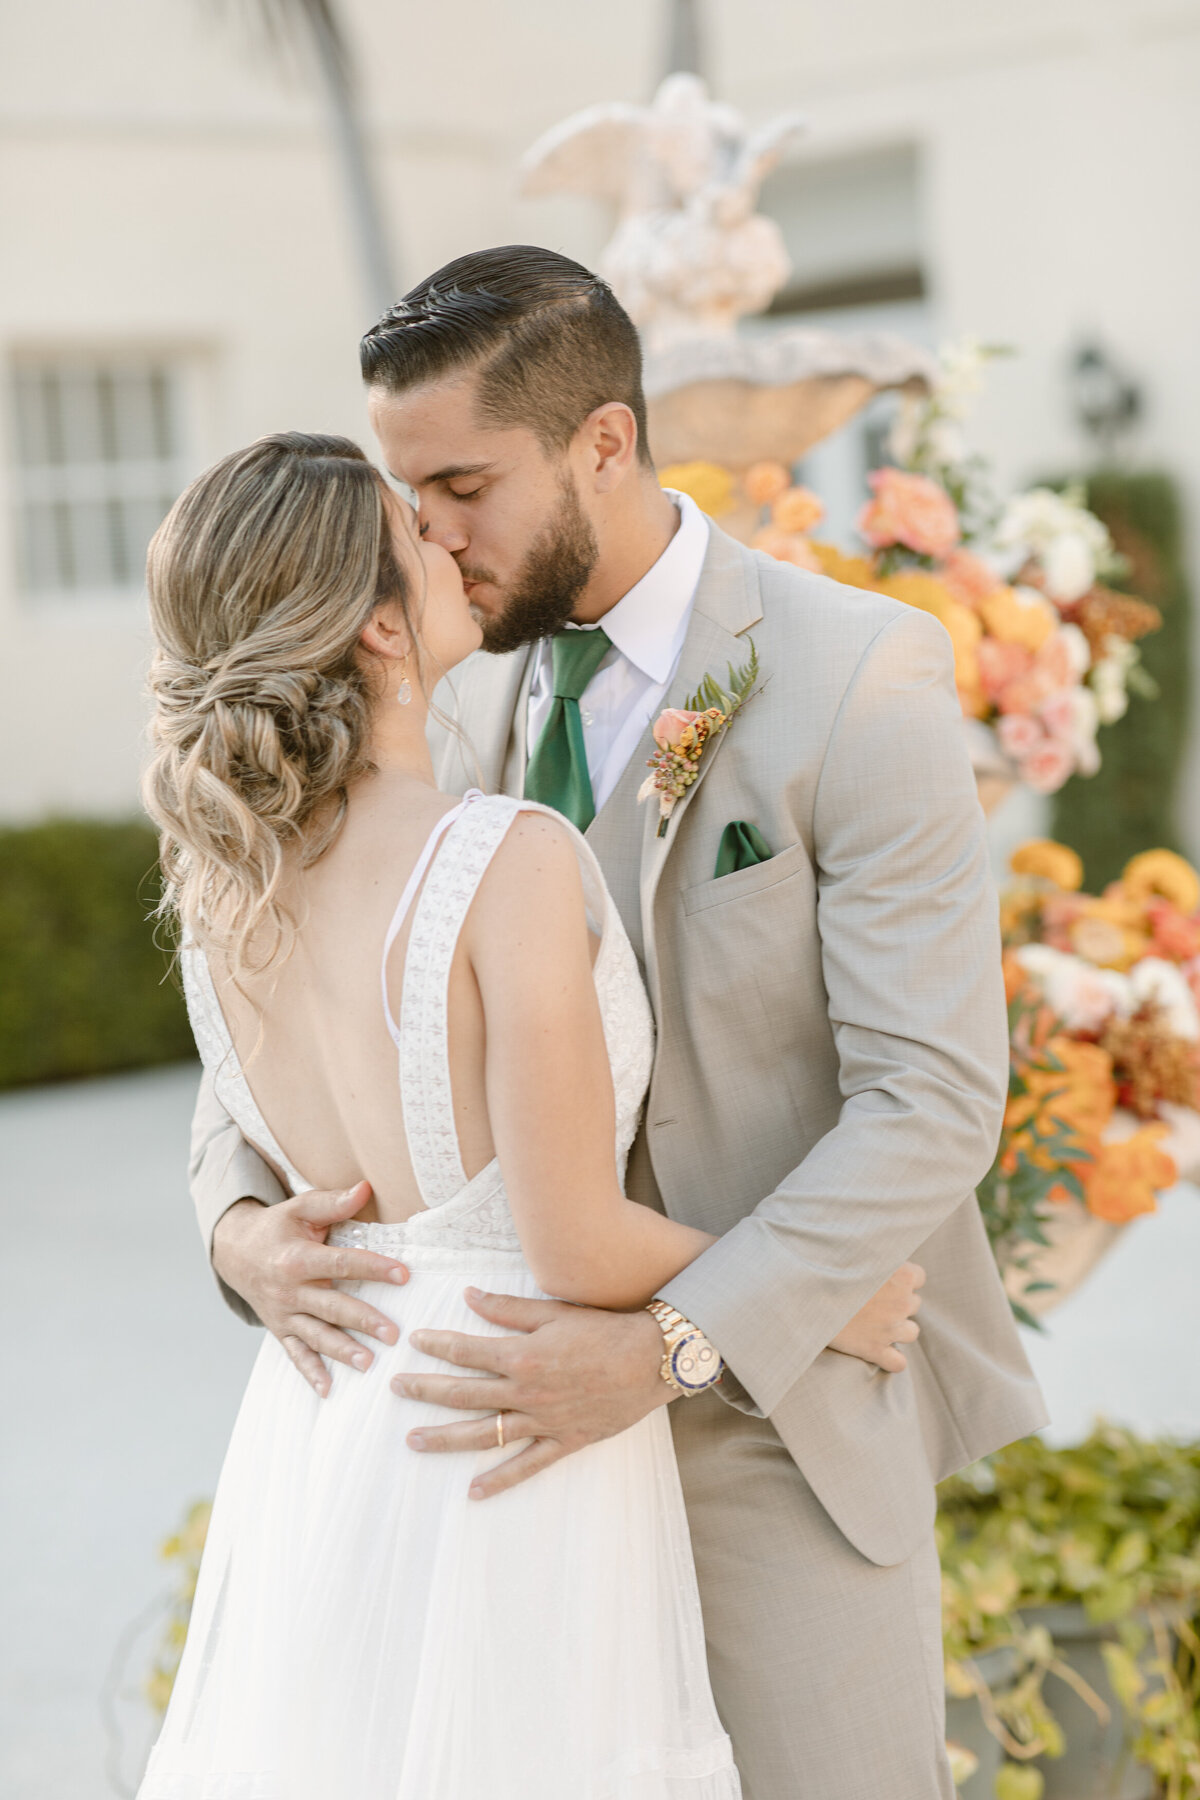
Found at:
<point>742,847</point>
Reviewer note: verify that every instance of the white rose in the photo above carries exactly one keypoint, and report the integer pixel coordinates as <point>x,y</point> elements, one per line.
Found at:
<point>1068,565</point>
<point>1107,681</point>
<point>1078,993</point>
<point>1079,648</point>
<point>1152,979</point>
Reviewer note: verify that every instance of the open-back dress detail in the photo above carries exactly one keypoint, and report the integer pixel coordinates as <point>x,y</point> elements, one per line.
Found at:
<point>361,1629</point>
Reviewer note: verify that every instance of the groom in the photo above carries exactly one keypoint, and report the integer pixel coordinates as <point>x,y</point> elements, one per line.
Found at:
<point>819,936</point>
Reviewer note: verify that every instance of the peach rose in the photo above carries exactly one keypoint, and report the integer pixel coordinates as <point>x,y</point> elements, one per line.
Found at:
<point>911,510</point>
<point>1019,735</point>
<point>1046,769</point>
<point>798,509</point>
<point>764,482</point>
<point>788,547</point>
<point>968,577</point>
<point>671,728</point>
<point>1000,665</point>
<point>1173,934</point>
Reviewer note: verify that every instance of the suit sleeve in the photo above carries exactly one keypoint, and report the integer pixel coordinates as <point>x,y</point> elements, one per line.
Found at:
<point>910,950</point>
<point>222,1169</point>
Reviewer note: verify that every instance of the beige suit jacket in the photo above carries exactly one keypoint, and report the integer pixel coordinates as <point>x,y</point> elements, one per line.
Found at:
<point>832,1050</point>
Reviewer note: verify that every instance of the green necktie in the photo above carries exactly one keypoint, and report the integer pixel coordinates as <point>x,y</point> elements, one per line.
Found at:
<point>558,772</point>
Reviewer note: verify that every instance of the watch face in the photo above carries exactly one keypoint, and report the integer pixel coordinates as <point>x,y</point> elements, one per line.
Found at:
<point>694,1362</point>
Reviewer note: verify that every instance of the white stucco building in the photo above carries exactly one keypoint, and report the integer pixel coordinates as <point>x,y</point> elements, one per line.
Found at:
<point>179,271</point>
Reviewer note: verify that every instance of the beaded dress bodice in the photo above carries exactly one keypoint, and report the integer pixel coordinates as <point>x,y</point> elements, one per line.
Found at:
<point>464,1215</point>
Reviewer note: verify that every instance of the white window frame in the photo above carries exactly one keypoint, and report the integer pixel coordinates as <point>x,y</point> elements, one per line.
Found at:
<point>159,478</point>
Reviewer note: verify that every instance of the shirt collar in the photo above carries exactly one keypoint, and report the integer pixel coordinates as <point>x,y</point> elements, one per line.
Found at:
<point>647,625</point>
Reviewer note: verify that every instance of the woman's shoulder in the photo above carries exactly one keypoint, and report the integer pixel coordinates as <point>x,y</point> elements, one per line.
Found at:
<point>535,878</point>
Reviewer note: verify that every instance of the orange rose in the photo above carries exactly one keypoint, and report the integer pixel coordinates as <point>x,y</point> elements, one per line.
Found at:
<point>1125,1179</point>
<point>1024,619</point>
<point>1082,1094</point>
<point>788,547</point>
<point>797,510</point>
<point>911,510</point>
<point>764,482</point>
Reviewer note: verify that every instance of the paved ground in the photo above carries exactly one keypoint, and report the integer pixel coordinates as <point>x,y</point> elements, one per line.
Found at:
<point>123,1372</point>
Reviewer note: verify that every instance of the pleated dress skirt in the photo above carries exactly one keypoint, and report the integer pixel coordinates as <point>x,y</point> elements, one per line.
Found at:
<point>362,1630</point>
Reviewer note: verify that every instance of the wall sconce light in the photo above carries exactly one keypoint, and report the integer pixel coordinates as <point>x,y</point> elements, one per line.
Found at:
<point>1107,403</point>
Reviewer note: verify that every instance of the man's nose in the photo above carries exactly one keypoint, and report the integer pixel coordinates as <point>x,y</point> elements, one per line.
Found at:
<point>443,531</point>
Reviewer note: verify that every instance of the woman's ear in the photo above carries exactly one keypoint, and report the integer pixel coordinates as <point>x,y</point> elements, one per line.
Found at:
<point>386,633</point>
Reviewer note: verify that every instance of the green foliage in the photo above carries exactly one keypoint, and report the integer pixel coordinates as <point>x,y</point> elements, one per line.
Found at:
<point>710,693</point>
<point>1112,1524</point>
<point>1130,804</point>
<point>84,988</point>
<point>1031,1161</point>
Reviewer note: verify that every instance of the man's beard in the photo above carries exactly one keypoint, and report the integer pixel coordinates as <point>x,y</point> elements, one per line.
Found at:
<point>557,568</point>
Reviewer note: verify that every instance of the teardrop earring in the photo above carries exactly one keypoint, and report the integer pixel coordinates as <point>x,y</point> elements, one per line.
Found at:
<point>404,691</point>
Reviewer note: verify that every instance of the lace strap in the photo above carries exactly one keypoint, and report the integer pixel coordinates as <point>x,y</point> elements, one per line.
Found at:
<point>473,834</point>
<point>406,899</point>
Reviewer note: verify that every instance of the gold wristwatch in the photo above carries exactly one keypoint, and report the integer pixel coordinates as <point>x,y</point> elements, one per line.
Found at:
<point>690,1363</point>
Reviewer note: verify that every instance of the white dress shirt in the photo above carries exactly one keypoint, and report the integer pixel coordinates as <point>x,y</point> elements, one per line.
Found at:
<point>647,628</point>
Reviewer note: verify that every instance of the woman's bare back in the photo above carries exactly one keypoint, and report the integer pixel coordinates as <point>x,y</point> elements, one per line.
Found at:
<point>311,1033</point>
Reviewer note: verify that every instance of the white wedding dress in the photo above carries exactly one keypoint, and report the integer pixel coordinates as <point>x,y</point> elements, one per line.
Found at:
<point>361,1629</point>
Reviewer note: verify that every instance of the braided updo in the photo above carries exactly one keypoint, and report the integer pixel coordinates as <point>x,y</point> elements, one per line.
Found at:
<point>261,578</point>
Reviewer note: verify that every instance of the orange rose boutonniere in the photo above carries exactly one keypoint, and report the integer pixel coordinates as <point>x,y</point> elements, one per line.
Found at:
<point>681,735</point>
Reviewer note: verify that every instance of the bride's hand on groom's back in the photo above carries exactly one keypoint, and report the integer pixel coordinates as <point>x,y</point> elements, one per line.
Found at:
<point>277,1259</point>
<point>886,1321</point>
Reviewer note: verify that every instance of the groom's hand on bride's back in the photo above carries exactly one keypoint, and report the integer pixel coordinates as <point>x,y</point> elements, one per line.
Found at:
<point>277,1259</point>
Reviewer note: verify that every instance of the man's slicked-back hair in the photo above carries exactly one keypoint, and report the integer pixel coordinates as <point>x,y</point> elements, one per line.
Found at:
<point>549,339</point>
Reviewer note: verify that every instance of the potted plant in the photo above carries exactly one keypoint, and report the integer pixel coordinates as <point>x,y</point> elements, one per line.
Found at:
<point>1084,1563</point>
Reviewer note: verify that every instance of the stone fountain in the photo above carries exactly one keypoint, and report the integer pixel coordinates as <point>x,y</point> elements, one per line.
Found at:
<point>689,256</point>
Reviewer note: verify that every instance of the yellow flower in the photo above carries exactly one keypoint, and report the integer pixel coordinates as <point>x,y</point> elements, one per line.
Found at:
<point>1162,872</point>
<point>853,571</point>
<point>1024,619</point>
<point>1051,861</point>
<point>710,486</point>
<point>930,595</point>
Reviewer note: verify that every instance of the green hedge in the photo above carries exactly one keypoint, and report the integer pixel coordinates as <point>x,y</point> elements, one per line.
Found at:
<point>84,987</point>
<point>1130,805</point>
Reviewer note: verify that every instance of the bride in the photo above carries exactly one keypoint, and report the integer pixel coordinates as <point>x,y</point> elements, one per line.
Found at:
<point>437,995</point>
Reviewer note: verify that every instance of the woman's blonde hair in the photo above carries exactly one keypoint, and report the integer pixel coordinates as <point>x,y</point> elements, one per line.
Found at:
<point>261,578</point>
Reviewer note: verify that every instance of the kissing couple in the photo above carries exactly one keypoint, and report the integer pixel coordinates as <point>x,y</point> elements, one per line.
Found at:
<point>581,1135</point>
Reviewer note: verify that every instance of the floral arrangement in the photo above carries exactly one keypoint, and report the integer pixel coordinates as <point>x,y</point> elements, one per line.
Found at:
<point>682,733</point>
<point>1044,650</point>
<point>1105,1042</point>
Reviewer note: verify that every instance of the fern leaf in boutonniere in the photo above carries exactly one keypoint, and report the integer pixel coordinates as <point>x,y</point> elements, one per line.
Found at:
<point>681,735</point>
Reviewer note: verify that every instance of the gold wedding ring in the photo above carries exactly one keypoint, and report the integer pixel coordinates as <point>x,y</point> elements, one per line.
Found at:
<point>499,1431</point>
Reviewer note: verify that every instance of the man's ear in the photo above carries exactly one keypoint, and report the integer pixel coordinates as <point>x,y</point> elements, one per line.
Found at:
<point>609,438</point>
<point>386,633</point>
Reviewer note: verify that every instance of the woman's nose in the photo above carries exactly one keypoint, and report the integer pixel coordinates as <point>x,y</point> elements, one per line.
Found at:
<point>445,532</point>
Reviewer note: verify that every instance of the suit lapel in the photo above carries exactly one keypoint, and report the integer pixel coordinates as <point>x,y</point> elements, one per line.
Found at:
<point>727,604</point>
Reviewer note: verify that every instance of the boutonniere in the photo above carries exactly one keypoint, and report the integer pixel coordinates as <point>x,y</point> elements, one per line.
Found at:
<point>682,734</point>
